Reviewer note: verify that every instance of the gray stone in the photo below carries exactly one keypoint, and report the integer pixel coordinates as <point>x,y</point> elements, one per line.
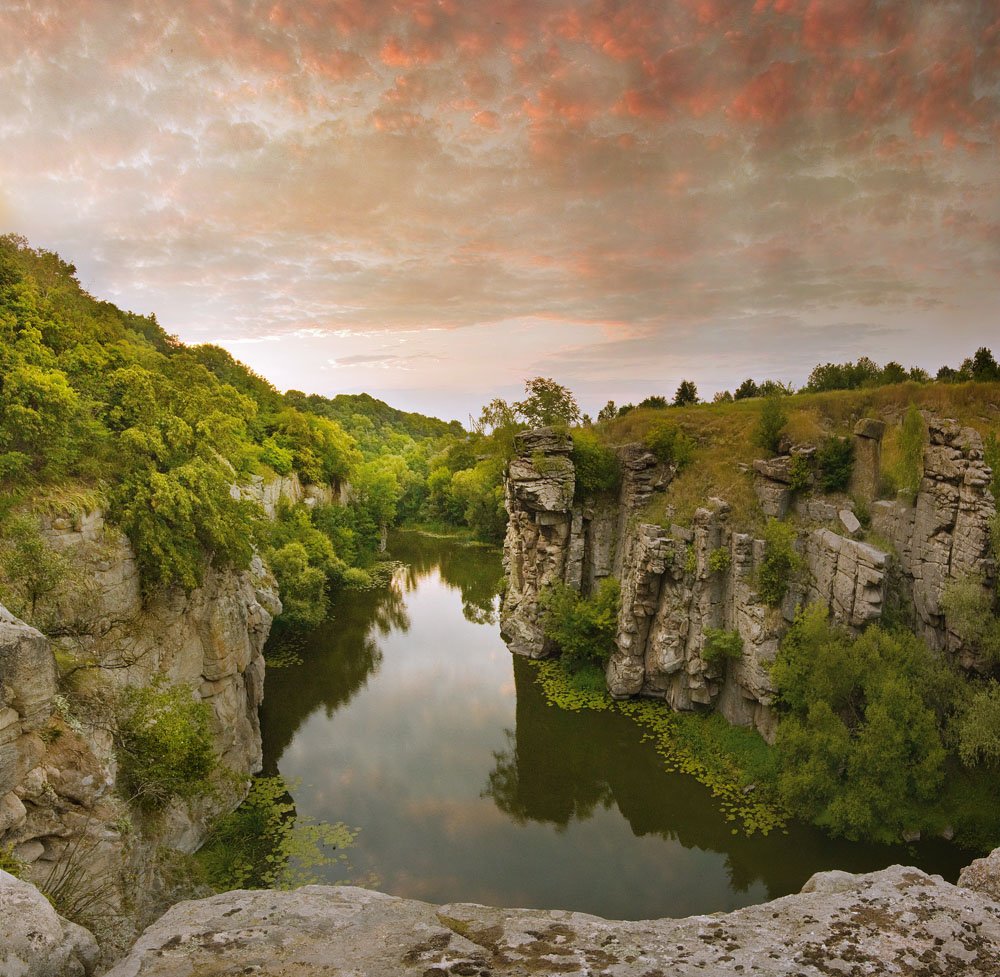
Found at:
<point>849,521</point>
<point>27,671</point>
<point>897,921</point>
<point>983,875</point>
<point>35,941</point>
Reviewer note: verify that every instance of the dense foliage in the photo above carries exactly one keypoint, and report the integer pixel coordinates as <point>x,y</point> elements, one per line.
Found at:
<point>771,424</point>
<point>834,464</point>
<point>861,740</point>
<point>164,744</point>
<point>583,628</point>
<point>779,564</point>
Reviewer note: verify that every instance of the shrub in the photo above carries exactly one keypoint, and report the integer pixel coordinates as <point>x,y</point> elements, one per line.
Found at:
<point>164,744</point>
<point>670,444</point>
<point>583,628</point>
<point>771,424</point>
<point>800,472</point>
<point>834,464</point>
<point>719,560</point>
<point>721,645</point>
<point>690,560</point>
<point>910,467</point>
<point>968,609</point>
<point>979,728</point>
<point>597,467</point>
<point>780,562</point>
<point>302,586</point>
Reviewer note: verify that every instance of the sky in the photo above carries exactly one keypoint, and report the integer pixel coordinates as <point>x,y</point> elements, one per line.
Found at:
<point>435,200</point>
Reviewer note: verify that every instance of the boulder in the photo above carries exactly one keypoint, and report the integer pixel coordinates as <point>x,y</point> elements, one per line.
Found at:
<point>983,875</point>
<point>37,942</point>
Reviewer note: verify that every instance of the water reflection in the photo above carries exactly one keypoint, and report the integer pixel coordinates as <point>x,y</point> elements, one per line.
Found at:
<point>409,719</point>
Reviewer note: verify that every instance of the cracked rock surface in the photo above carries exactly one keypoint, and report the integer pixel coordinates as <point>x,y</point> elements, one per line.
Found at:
<point>897,921</point>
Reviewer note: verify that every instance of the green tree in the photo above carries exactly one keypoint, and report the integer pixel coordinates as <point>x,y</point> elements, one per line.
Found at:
<point>546,403</point>
<point>685,395</point>
<point>746,390</point>
<point>860,735</point>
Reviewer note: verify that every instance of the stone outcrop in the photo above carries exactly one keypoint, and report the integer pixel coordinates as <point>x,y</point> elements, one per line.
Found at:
<point>678,582</point>
<point>867,471</point>
<point>945,535</point>
<point>35,941</point>
<point>551,537</point>
<point>896,921</point>
<point>675,583</point>
<point>269,493</point>
<point>57,765</point>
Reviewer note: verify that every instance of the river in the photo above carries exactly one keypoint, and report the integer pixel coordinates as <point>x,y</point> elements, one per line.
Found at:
<point>408,719</point>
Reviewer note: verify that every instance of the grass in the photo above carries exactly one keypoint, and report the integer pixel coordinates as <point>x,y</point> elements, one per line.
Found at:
<point>723,435</point>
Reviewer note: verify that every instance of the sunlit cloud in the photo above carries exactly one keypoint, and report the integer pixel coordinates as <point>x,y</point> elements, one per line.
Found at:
<point>642,187</point>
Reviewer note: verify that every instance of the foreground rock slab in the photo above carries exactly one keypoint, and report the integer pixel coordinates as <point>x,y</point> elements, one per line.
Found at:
<point>35,941</point>
<point>897,921</point>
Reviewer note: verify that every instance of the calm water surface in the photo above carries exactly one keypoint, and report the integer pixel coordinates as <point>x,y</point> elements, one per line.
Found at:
<point>409,719</point>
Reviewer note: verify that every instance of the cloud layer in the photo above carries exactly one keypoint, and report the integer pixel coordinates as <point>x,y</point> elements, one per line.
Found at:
<point>615,192</point>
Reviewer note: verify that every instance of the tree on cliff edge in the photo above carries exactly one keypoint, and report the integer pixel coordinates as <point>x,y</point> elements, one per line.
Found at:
<point>547,403</point>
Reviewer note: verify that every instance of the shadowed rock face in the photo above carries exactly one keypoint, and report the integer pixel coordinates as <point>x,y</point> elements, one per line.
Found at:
<point>897,921</point>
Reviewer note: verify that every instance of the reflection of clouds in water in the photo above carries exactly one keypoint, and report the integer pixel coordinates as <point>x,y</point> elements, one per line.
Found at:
<point>577,812</point>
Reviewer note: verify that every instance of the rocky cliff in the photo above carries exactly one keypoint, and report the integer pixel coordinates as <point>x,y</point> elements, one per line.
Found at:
<point>897,921</point>
<point>58,807</point>
<point>679,581</point>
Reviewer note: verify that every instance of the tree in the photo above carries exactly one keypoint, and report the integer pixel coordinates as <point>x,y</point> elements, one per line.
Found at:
<point>746,390</point>
<point>722,397</point>
<point>547,403</point>
<point>687,393</point>
<point>771,424</point>
<point>607,412</point>
<point>583,628</point>
<point>655,402</point>
<point>984,367</point>
<point>859,740</point>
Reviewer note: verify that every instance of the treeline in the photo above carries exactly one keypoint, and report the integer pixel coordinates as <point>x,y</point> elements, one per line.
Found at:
<point>863,373</point>
<point>103,407</point>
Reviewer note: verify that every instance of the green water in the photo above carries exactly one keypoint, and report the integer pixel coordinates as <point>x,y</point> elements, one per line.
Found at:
<point>409,719</point>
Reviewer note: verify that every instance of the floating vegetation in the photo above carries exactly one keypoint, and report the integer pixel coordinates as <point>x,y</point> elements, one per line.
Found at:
<point>266,844</point>
<point>735,764</point>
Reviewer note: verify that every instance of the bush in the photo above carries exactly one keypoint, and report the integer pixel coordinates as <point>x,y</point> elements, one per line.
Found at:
<point>979,728</point>
<point>780,562</point>
<point>670,444</point>
<point>835,464</point>
<point>860,740</point>
<point>597,466</point>
<point>582,628</point>
<point>164,744</point>
<point>800,472</point>
<point>771,424</point>
<point>719,560</point>
<point>910,467</point>
<point>721,645</point>
<point>968,609</point>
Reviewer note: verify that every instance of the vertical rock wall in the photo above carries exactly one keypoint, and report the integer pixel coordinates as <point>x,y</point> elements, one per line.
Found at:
<point>57,770</point>
<point>678,582</point>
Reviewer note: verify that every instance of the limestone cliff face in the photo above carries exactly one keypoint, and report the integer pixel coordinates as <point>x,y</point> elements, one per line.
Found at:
<point>57,770</point>
<point>677,582</point>
<point>945,536</point>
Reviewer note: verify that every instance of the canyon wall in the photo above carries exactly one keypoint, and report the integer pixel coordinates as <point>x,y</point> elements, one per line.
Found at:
<point>59,810</point>
<point>679,581</point>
